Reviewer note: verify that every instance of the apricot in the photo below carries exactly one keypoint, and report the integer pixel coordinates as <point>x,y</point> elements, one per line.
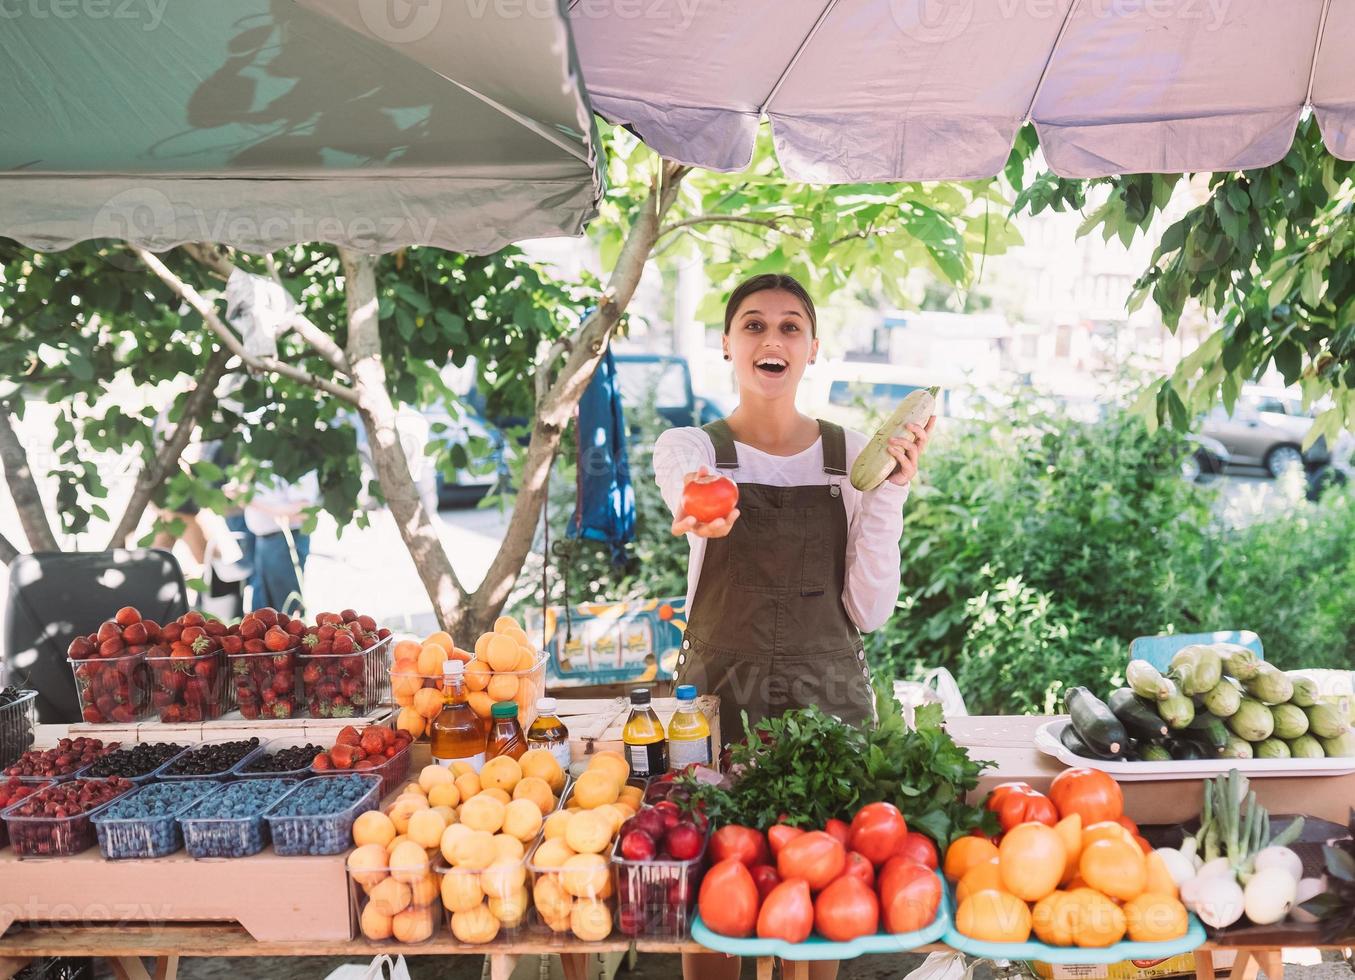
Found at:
<point>502,687</point>
<point>502,772</point>
<point>585,875</point>
<point>408,862</point>
<point>474,851</point>
<point>446,794</point>
<point>367,865</point>
<point>390,896</point>
<point>476,925</point>
<point>373,827</point>
<point>426,827</point>
<point>540,764</point>
<point>461,890</point>
<point>536,790</point>
<point>414,924</point>
<point>595,788</point>
<point>511,909</point>
<point>504,877</point>
<point>483,812</point>
<point>428,702</point>
<point>375,926</point>
<point>555,824</point>
<point>591,920</point>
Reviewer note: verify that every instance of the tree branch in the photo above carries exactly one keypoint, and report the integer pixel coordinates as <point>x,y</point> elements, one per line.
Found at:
<point>731,219</point>
<point>555,410</point>
<point>27,500</point>
<point>218,260</point>
<point>7,551</point>
<point>169,454</point>
<point>379,417</point>
<point>209,316</point>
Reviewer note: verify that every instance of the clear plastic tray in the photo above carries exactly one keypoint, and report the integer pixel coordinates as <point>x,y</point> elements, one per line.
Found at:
<point>189,689</point>
<point>145,777</point>
<point>572,904</point>
<point>113,690</point>
<point>393,771</point>
<point>265,685</point>
<point>391,909</point>
<point>16,727</point>
<point>165,774</point>
<point>503,890</point>
<point>320,833</point>
<point>530,687</point>
<point>63,777</point>
<point>52,836</point>
<point>816,948</point>
<point>343,686</point>
<point>157,835</point>
<point>209,836</point>
<point>241,769</point>
<point>657,899</point>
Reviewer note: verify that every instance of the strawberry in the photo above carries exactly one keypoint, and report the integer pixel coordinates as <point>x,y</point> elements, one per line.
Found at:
<point>352,686</point>
<point>255,646</point>
<point>348,615</point>
<point>366,764</point>
<point>122,714</point>
<point>343,643</point>
<point>267,615</point>
<point>252,628</point>
<point>342,756</point>
<point>390,752</point>
<point>171,632</point>
<point>111,648</point>
<point>134,634</point>
<point>283,708</point>
<point>152,629</point>
<point>372,742</point>
<point>233,644</point>
<point>126,616</point>
<point>322,762</point>
<point>383,634</point>
<point>282,683</point>
<point>327,619</point>
<point>277,638</point>
<point>215,627</point>
<point>348,735</point>
<point>80,649</point>
<point>282,661</point>
<point>249,712</point>
<point>295,628</point>
<point>323,649</point>
<point>92,716</point>
<point>311,674</point>
<point>109,631</point>
<point>338,709</point>
<point>325,633</point>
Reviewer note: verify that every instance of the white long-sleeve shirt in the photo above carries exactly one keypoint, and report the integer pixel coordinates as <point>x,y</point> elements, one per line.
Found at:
<point>874,519</point>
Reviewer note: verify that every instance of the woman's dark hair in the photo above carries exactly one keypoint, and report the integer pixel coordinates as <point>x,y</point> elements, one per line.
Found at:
<point>771,280</point>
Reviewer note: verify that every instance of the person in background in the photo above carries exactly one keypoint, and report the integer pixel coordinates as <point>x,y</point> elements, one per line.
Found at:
<point>273,516</point>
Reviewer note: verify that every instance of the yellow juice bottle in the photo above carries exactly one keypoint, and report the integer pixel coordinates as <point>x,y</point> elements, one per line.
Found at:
<point>457,733</point>
<point>646,744</point>
<point>688,732</point>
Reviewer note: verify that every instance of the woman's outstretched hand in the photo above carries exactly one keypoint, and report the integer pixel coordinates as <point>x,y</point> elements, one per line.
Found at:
<point>908,453</point>
<point>718,528</point>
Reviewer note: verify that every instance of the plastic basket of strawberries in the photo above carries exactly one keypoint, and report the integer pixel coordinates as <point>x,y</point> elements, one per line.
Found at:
<point>262,653</point>
<point>376,749</point>
<point>112,679</point>
<point>189,681</point>
<point>342,666</point>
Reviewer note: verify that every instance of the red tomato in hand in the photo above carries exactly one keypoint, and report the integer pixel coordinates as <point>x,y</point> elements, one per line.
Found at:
<point>1018,803</point>
<point>877,831</point>
<point>741,843</point>
<point>858,867</point>
<point>816,857</point>
<point>766,878</point>
<point>918,847</point>
<point>1090,793</point>
<point>779,835</point>
<point>709,497</point>
<point>846,910</point>
<point>839,829</point>
<point>728,900</point>
<point>910,894</point>
<point>788,912</point>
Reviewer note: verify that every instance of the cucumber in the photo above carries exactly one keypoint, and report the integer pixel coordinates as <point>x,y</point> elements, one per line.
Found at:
<point>1154,752</point>
<point>874,464</point>
<point>1078,747</point>
<point>1138,718</point>
<point>1182,749</point>
<point>1208,729</point>
<point>1094,723</point>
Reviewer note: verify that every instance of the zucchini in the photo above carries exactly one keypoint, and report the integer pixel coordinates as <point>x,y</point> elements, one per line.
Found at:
<point>1147,682</point>
<point>1094,723</point>
<point>1208,729</point>
<point>874,464</point>
<point>1078,747</point>
<point>1178,711</point>
<point>1182,749</point>
<point>1154,752</point>
<point>1137,717</point>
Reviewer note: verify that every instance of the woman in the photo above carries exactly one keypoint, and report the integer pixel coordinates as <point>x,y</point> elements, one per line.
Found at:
<point>779,590</point>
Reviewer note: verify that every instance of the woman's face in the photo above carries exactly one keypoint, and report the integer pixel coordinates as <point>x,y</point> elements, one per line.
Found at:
<point>769,342</point>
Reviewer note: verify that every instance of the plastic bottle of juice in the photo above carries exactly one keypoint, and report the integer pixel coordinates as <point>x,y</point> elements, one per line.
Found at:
<point>549,732</point>
<point>646,745</point>
<point>457,733</point>
<point>506,737</point>
<point>688,731</point>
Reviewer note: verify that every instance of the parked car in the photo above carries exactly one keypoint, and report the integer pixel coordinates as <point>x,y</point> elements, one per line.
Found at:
<point>1266,428</point>
<point>667,381</point>
<point>1206,461</point>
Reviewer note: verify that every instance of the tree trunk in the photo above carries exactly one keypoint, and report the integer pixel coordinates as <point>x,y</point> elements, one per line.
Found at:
<point>7,551</point>
<point>168,455</point>
<point>556,409</point>
<point>27,500</point>
<point>388,457</point>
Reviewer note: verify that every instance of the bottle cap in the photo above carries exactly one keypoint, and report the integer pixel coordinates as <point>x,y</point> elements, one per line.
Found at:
<point>545,706</point>
<point>453,668</point>
<point>685,692</point>
<point>639,696</point>
<point>504,709</point>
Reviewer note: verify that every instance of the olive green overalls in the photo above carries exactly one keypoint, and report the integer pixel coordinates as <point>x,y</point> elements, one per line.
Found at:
<point>767,631</point>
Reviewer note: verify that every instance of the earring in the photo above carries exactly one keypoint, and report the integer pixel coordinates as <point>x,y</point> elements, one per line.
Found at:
<point>728,358</point>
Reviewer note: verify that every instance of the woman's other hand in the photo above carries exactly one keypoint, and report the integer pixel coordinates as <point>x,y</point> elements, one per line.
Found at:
<point>717,528</point>
<point>907,453</point>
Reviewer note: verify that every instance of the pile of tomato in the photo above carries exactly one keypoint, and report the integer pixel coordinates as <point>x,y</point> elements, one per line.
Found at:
<point>1069,867</point>
<point>843,882</point>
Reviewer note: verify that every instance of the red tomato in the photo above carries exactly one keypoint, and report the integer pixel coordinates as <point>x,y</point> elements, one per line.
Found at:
<point>919,847</point>
<point>846,910</point>
<point>815,857</point>
<point>766,878</point>
<point>779,835</point>
<point>709,497</point>
<point>728,900</point>
<point>1017,803</point>
<point>910,894</point>
<point>839,829</point>
<point>877,831</point>
<point>741,843</point>
<point>1090,793</point>
<point>858,867</point>
<point>788,912</point>
<point>1128,825</point>
<point>1144,846</point>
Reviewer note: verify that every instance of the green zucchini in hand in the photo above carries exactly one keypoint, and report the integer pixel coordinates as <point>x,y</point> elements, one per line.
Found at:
<point>1094,722</point>
<point>1138,718</point>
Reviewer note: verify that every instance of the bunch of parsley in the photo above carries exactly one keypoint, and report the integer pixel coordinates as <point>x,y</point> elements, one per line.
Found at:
<point>810,768</point>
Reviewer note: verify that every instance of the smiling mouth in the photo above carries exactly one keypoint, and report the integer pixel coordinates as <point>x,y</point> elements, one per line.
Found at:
<point>773,366</point>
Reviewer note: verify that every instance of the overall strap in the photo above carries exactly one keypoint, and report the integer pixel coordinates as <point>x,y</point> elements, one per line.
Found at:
<point>834,448</point>
<point>722,438</point>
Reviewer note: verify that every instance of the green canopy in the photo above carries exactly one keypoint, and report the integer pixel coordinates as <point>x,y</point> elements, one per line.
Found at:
<point>373,124</point>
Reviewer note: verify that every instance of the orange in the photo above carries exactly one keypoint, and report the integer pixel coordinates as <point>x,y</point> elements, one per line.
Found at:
<point>994,917</point>
<point>1154,918</point>
<point>980,878</point>
<point>1054,919</point>
<point>1115,868</point>
<point>1160,880</point>
<point>1069,830</point>
<point>1099,922</point>
<point>966,852</point>
<point>428,702</point>
<point>442,639</point>
<point>478,675</point>
<point>1032,860</point>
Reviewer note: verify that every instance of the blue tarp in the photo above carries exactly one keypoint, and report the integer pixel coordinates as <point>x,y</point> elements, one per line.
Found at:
<point>606,500</point>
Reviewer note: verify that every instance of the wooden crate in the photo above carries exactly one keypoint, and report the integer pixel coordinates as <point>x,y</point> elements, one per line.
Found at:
<point>595,723</point>
<point>322,730</point>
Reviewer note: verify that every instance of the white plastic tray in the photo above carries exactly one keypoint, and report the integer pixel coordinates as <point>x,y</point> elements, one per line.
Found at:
<point>1047,741</point>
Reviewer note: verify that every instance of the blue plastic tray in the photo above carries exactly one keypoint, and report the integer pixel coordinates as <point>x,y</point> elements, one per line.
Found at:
<point>815,948</point>
<point>1193,939</point>
<point>1159,650</point>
